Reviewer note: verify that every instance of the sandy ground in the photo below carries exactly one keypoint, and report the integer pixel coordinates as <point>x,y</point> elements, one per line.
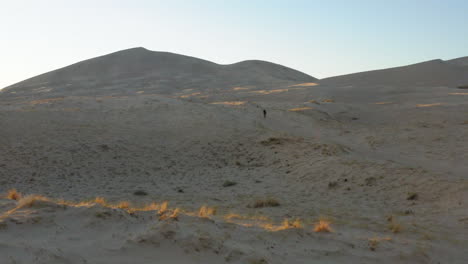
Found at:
<point>382,168</point>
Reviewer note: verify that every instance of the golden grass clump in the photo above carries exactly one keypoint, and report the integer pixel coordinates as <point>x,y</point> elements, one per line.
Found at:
<point>297,223</point>
<point>123,205</point>
<point>322,226</point>
<point>170,214</point>
<point>163,208</point>
<point>206,211</point>
<point>13,194</point>
<point>29,200</point>
<point>300,109</point>
<point>101,201</point>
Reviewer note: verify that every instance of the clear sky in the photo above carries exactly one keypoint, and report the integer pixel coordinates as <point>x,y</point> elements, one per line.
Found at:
<point>321,38</point>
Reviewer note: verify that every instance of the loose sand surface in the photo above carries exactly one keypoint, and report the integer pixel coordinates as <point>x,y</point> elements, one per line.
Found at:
<point>337,172</point>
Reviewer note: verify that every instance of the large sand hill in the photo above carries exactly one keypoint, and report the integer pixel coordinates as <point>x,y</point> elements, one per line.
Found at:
<point>161,158</point>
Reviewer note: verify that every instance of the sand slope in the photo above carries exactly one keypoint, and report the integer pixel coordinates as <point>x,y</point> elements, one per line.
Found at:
<point>138,69</point>
<point>384,166</point>
<point>425,74</point>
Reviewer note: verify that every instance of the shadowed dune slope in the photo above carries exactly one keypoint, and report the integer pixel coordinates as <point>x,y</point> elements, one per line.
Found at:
<point>139,69</point>
<point>430,73</point>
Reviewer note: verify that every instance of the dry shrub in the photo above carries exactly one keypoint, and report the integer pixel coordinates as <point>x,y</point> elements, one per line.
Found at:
<point>322,226</point>
<point>206,211</point>
<point>270,202</point>
<point>13,194</point>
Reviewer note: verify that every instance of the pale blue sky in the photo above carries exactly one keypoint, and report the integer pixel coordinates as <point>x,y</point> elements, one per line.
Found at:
<point>321,38</point>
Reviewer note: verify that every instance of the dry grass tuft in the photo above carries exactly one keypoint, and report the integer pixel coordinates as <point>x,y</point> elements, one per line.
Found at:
<point>322,226</point>
<point>206,212</point>
<point>270,202</point>
<point>29,200</point>
<point>101,201</point>
<point>163,208</point>
<point>394,226</point>
<point>304,84</point>
<point>168,214</point>
<point>298,109</point>
<point>123,205</point>
<point>374,242</point>
<point>13,194</point>
<point>234,103</point>
<point>428,105</point>
<point>297,223</point>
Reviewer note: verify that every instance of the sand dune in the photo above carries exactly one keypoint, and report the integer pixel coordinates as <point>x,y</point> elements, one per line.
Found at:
<point>190,171</point>
<point>122,72</point>
<point>425,74</point>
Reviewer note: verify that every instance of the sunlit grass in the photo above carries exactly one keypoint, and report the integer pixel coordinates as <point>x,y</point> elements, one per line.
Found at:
<point>164,212</point>
<point>300,109</point>
<point>240,88</point>
<point>206,212</point>
<point>304,85</point>
<point>234,103</point>
<point>375,241</point>
<point>13,194</point>
<point>190,95</point>
<point>270,91</point>
<point>428,105</point>
<point>322,226</point>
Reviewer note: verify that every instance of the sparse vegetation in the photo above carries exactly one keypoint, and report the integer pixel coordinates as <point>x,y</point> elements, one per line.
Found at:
<point>206,211</point>
<point>123,205</point>
<point>296,223</point>
<point>229,183</point>
<point>13,194</point>
<point>374,242</point>
<point>394,226</point>
<point>270,202</point>
<point>29,200</point>
<point>322,226</point>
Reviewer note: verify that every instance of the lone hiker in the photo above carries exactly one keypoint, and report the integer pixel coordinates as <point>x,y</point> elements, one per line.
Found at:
<point>264,113</point>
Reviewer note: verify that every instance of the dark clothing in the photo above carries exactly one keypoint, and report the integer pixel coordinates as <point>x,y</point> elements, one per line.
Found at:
<point>264,113</point>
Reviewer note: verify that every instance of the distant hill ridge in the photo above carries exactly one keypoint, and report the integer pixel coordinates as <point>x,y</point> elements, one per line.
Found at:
<point>139,69</point>
<point>430,73</point>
